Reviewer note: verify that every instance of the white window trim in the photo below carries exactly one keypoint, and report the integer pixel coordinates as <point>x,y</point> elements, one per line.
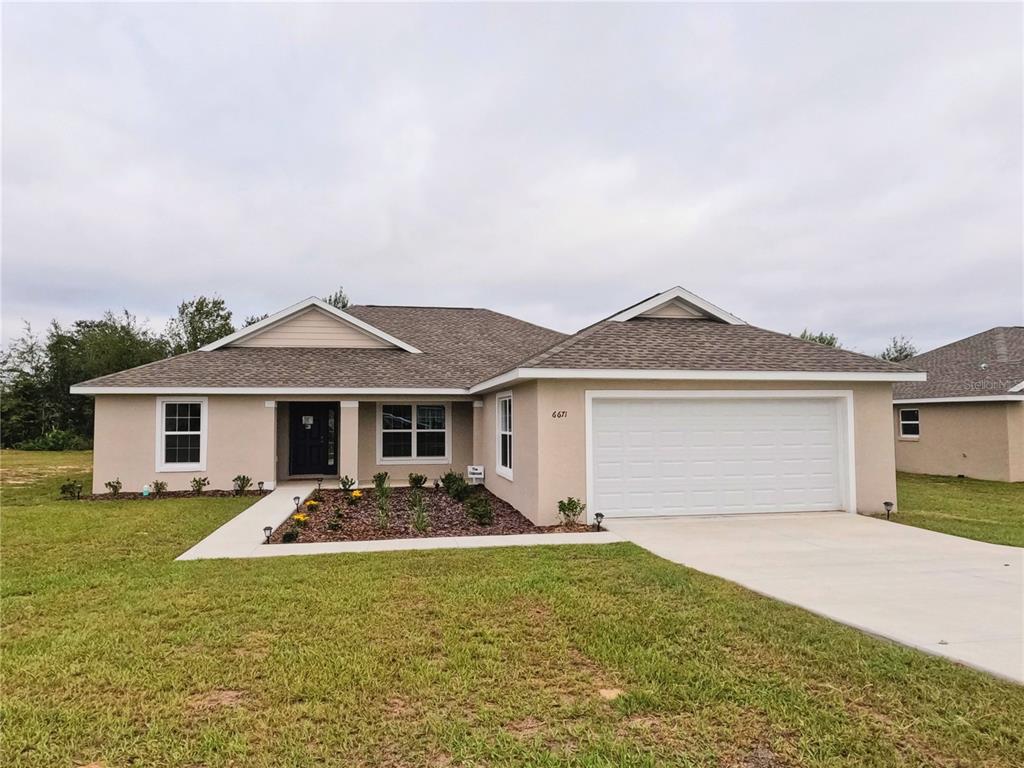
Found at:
<point>446,459</point>
<point>505,472</point>
<point>204,416</point>
<point>901,421</point>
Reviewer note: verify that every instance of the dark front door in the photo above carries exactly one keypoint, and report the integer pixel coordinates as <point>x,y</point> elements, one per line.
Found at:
<point>313,442</point>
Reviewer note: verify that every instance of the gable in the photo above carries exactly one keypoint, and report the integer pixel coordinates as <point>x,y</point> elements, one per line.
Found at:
<point>313,328</point>
<point>674,308</point>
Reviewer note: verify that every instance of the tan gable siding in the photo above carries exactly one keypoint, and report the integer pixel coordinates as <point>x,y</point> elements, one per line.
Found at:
<point>313,328</point>
<point>672,309</point>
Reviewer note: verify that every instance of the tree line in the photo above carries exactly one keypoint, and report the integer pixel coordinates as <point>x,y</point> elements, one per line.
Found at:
<point>37,410</point>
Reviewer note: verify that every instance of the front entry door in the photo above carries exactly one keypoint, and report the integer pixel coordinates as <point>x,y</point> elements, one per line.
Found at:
<point>313,443</point>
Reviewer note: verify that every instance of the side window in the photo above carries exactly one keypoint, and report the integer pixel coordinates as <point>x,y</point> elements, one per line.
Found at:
<point>910,423</point>
<point>504,446</point>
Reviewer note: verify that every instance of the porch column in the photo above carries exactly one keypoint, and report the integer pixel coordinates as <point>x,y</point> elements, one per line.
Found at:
<point>478,433</point>
<point>348,439</point>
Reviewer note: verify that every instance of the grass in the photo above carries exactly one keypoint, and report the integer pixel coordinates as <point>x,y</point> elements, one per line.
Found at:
<point>113,653</point>
<point>975,509</point>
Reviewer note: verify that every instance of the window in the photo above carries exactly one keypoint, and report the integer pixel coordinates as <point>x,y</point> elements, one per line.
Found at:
<point>413,433</point>
<point>910,423</point>
<point>504,447</point>
<point>181,435</point>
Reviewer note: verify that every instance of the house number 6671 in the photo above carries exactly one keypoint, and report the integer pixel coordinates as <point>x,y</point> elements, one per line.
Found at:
<point>559,414</point>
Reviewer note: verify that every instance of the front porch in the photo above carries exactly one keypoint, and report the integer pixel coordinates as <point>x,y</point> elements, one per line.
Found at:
<point>330,439</point>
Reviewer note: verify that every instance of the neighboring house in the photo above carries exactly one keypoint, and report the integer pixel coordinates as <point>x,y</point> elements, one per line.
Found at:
<point>671,406</point>
<point>968,418</point>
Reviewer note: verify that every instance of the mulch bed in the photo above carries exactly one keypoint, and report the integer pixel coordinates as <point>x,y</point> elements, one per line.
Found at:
<point>125,496</point>
<point>336,519</point>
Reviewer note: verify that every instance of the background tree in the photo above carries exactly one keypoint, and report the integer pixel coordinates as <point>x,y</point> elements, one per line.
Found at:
<point>23,369</point>
<point>337,299</point>
<point>199,321</point>
<point>821,337</point>
<point>253,319</point>
<point>899,349</point>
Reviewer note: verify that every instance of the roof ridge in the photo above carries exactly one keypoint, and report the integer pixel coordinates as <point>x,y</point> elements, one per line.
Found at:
<point>834,349</point>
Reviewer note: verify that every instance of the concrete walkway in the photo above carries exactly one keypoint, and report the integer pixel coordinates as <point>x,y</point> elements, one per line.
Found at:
<point>946,595</point>
<point>242,535</point>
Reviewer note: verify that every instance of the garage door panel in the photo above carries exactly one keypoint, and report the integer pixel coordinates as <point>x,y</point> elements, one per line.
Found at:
<point>692,456</point>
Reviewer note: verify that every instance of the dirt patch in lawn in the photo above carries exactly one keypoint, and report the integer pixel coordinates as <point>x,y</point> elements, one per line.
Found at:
<point>340,517</point>
<point>215,699</point>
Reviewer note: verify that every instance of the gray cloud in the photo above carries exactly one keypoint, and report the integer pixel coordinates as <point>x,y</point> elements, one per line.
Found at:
<point>855,168</point>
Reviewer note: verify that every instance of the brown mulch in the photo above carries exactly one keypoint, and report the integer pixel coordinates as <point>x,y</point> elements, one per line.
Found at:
<point>125,496</point>
<point>338,518</point>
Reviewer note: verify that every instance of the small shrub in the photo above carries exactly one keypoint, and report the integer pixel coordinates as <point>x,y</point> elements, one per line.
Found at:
<point>479,509</point>
<point>242,483</point>
<point>455,485</point>
<point>381,480</point>
<point>417,480</point>
<point>418,507</point>
<point>114,486</point>
<point>72,489</point>
<point>289,536</point>
<point>198,483</point>
<point>334,525</point>
<point>346,483</point>
<point>300,519</point>
<point>571,509</point>
<point>384,506</point>
<point>159,487</point>
<point>353,498</point>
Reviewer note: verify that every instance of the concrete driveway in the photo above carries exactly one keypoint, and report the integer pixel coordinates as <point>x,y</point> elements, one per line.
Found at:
<point>943,594</point>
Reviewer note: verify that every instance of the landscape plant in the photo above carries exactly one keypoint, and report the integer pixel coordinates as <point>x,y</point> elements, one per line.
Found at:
<point>380,480</point>
<point>571,510</point>
<point>416,480</point>
<point>418,508</point>
<point>479,509</point>
<point>159,487</point>
<point>198,483</point>
<point>71,489</point>
<point>383,506</point>
<point>241,483</point>
<point>114,486</point>
<point>346,483</point>
<point>455,485</point>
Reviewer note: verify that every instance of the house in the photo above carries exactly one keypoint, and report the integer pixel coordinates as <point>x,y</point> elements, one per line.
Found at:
<point>671,406</point>
<point>968,417</point>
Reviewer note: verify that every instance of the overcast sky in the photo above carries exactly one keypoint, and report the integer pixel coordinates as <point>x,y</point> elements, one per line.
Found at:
<point>854,168</point>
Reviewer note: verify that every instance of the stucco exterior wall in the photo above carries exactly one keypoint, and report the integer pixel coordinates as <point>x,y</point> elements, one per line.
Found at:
<point>522,491</point>
<point>240,440</point>
<point>461,443</point>
<point>980,440</point>
<point>550,448</point>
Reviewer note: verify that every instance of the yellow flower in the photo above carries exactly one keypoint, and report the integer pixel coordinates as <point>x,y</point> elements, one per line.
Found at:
<point>300,517</point>
<point>357,494</point>
<point>312,503</point>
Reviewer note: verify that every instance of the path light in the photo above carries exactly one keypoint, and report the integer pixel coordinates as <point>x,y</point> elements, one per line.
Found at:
<point>260,486</point>
<point>266,532</point>
<point>888,508</point>
<point>297,499</point>
<point>598,517</point>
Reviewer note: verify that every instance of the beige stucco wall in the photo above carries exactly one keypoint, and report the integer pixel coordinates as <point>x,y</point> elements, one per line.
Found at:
<point>313,328</point>
<point>980,440</point>
<point>240,440</point>
<point>550,453</point>
<point>522,491</point>
<point>461,443</point>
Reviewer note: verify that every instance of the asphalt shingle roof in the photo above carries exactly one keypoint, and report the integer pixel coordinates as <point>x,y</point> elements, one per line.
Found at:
<point>462,347</point>
<point>986,364</point>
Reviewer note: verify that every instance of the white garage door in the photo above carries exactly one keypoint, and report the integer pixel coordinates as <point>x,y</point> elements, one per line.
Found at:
<point>714,456</point>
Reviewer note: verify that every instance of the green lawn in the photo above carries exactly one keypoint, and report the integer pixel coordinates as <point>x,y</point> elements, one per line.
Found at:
<point>113,653</point>
<point>975,509</point>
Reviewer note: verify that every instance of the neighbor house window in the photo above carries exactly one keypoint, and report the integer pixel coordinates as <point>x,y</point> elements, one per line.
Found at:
<point>910,423</point>
<point>181,435</point>
<point>413,433</point>
<point>504,447</point>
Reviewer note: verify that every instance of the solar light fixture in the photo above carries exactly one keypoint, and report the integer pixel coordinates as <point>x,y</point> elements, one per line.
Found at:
<point>297,499</point>
<point>266,532</point>
<point>260,486</point>
<point>888,508</point>
<point>598,517</point>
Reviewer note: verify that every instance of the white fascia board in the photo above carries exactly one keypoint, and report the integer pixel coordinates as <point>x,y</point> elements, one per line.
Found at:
<point>683,295</point>
<point>312,301</point>
<point>977,399</point>
<point>101,390</point>
<point>701,375</point>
